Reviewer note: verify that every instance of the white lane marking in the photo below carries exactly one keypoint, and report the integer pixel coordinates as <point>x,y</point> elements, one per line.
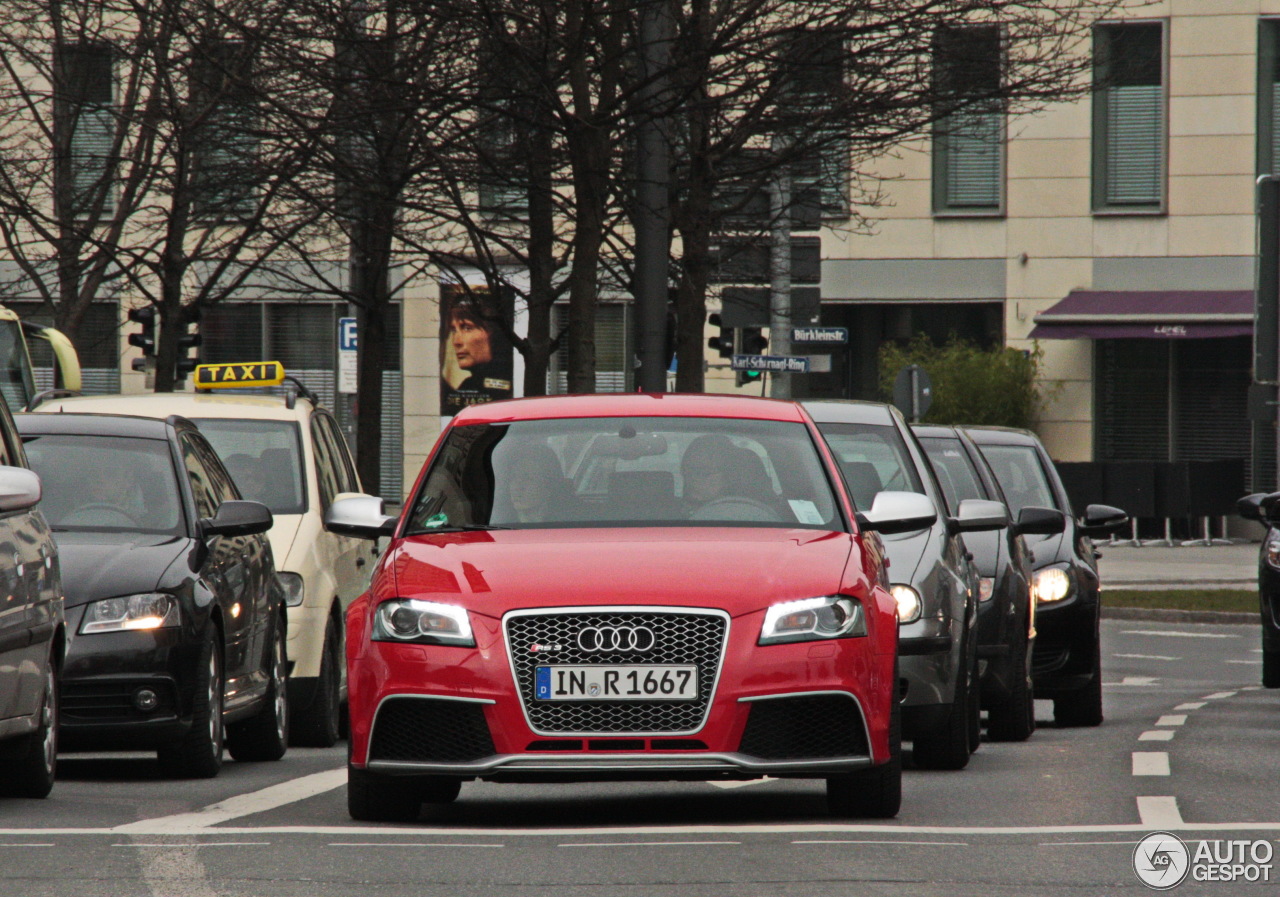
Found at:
<point>1150,763</point>
<point>648,843</point>
<point>1190,705</point>
<point>1172,719</point>
<point>268,798</point>
<point>1156,735</point>
<point>405,844</point>
<point>743,784</point>
<point>907,843</point>
<point>1159,812</point>
<point>1134,680</point>
<point>174,870</point>
<point>1219,695</point>
<point>1146,657</point>
<point>1173,633</point>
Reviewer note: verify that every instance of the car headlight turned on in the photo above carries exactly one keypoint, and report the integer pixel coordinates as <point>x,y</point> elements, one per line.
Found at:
<point>1271,551</point>
<point>294,590</point>
<point>422,622</point>
<point>909,604</point>
<point>813,619</point>
<point>1051,584</point>
<point>151,610</point>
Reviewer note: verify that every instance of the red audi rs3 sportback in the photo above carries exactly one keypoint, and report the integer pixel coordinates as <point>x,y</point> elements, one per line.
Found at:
<point>625,587</point>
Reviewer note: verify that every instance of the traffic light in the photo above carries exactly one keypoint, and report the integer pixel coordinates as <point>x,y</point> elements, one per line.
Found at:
<point>724,342</point>
<point>750,342</point>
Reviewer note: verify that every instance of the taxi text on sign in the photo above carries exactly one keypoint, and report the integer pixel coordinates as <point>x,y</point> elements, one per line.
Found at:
<point>253,373</point>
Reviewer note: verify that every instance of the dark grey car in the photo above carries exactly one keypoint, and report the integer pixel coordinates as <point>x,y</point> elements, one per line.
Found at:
<point>933,577</point>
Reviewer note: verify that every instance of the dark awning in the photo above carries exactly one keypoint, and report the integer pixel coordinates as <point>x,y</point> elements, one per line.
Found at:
<point>1142,314</point>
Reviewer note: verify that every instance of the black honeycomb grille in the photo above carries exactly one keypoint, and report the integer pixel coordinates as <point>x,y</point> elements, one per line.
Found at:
<point>679,638</point>
<point>805,728</point>
<point>423,730</point>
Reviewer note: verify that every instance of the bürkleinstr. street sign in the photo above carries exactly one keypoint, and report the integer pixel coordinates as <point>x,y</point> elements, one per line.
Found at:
<point>832,335</point>
<point>780,364</point>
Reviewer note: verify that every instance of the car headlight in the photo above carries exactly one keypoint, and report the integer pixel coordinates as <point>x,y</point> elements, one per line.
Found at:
<point>152,610</point>
<point>909,604</point>
<point>423,622</point>
<point>812,619</point>
<point>1271,550</point>
<point>1051,584</point>
<point>295,591</point>
<point>986,588</point>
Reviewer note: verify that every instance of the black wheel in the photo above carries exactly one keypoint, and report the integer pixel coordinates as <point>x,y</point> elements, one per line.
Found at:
<point>1012,717</point>
<point>31,772</point>
<point>372,798</point>
<point>948,746</point>
<point>1270,667</point>
<point>1082,707</point>
<point>874,793</point>
<point>199,754</point>
<point>265,736</point>
<point>318,724</point>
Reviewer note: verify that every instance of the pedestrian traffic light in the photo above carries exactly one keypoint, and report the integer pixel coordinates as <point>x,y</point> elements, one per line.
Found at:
<point>724,342</point>
<point>145,338</point>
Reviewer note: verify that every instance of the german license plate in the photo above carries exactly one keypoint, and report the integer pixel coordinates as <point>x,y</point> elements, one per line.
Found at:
<point>668,682</point>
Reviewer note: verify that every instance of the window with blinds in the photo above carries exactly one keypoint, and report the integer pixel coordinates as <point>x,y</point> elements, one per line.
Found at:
<point>97,345</point>
<point>969,136</point>
<point>1268,150</point>
<point>303,336</point>
<point>223,130</point>
<point>1129,117</point>
<point>613,350</point>
<point>86,123</point>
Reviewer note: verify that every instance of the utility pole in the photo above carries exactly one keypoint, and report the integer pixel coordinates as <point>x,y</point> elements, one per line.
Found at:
<point>653,214</point>
<point>780,269</point>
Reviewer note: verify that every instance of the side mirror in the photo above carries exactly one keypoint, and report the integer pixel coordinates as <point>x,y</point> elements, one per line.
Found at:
<point>360,516</point>
<point>238,518</point>
<point>899,512</point>
<point>1041,521</point>
<point>979,514</point>
<point>1103,520</point>
<point>19,489</point>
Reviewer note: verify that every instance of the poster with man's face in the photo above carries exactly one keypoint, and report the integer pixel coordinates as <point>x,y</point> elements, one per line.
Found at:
<point>476,363</point>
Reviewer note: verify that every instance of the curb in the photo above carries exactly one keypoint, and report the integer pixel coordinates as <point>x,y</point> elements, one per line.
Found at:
<point>1179,616</point>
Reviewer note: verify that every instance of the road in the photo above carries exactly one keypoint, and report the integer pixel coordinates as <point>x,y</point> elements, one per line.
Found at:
<point>1187,747</point>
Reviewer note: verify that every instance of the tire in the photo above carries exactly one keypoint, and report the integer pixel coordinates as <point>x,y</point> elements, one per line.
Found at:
<point>1082,707</point>
<point>199,754</point>
<point>265,736</point>
<point>32,771</point>
<point>1013,716</point>
<point>372,798</point>
<point>948,747</point>
<point>874,793</point>
<point>318,723</point>
<point>1270,667</point>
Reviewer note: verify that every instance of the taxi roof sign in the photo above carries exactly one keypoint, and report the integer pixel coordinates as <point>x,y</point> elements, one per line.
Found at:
<point>239,375</point>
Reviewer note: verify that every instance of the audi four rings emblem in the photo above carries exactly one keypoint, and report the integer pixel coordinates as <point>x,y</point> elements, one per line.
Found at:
<point>616,638</point>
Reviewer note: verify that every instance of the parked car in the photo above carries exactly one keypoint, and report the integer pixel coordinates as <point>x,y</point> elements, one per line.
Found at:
<point>1067,661</point>
<point>1006,608</point>
<point>625,587</point>
<point>1265,508</point>
<point>933,579</point>
<point>32,627</point>
<point>289,454</point>
<point>177,616</point>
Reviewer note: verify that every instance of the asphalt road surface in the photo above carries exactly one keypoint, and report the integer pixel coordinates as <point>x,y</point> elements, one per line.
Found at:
<point>1189,747</point>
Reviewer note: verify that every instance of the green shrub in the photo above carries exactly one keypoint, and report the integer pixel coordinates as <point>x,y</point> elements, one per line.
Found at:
<point>971,385</point>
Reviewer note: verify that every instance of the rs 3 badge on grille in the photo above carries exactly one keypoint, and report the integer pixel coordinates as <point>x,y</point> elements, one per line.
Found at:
<point>675,682</point>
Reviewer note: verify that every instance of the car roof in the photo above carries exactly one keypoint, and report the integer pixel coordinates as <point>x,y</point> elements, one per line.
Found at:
<point>631,405</point>
<point>130,426</point>
<point>1002,436</point>
<point>190,405</point>
<point>849,411</point>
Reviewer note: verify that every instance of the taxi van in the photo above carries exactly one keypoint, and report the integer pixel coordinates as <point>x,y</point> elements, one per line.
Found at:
<point>288,453</point>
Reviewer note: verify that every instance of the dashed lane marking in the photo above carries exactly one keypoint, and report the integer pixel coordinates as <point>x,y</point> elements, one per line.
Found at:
<point>1172,719</point>
<point>1159,812</point>
<point>1150,763</point>
<point>1156,735</point>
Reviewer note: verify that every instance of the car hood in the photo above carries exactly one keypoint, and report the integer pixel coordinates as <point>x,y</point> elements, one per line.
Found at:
<point>104,565</point>
<point>740,570</point>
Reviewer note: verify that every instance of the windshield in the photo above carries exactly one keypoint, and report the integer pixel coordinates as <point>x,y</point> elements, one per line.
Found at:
<point>872,459</point>
<point>954,470</point>
<point>609,472</point>
<point>107,483</point>
<point>264,457</point>
<point>1022,479</point>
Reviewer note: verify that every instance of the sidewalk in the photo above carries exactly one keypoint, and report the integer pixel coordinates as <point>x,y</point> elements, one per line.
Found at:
<point>1183,567</point>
